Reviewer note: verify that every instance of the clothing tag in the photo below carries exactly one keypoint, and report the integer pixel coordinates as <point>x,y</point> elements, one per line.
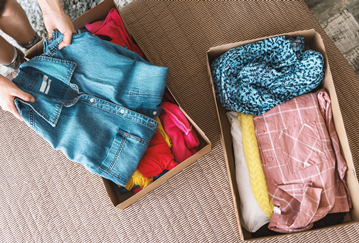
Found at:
<point>276,210</point>
<point>46,82</point>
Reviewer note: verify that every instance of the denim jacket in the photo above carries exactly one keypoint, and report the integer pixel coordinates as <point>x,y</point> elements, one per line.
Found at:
<point>95,101</point>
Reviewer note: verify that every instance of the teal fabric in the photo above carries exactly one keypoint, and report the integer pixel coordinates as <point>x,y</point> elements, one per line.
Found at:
<point>254,78</point>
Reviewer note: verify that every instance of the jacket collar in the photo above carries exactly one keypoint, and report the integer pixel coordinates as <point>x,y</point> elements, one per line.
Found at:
<point>45,106</point>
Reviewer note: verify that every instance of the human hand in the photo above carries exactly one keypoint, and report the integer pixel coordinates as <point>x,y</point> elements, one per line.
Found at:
<point>58,20</point>
<point>8,91</point>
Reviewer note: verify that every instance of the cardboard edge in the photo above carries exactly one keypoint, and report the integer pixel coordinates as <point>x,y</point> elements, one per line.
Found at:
<point>234,197</point>
<point>98,12</point>
<point>206,149</point>
<point>351,173</point>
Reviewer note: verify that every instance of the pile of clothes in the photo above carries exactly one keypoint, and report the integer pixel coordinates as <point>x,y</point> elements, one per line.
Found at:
<point>289,169</point>
<point>174,141</point>
<point>105,106</point>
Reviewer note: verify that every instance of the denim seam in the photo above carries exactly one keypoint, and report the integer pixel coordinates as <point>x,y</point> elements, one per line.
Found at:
<point>32,123</point>
<point>34,81</point>
<point>145,95</point>
<point>47,117</point>
<point>118,152</point>
<point>112,174</point>
<point>120,115</point>
<point>24,79</point>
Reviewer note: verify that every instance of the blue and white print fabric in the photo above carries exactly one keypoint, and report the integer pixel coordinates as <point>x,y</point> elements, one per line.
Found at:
<point>254,78</point>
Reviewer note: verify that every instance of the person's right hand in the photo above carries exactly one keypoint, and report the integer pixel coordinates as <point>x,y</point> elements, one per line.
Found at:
<point>8,92</point>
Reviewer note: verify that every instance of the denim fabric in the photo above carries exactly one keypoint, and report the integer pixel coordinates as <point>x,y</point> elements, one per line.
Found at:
<point>95,101</point>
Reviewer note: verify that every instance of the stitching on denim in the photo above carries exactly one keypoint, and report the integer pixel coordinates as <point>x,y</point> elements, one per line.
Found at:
<point>32,122</point>
<point>24,79</point>
<point>144,95</point>
<point>119,115</point>
<point>114,175</point>
<point>119,150</point>
<point>34,81</point>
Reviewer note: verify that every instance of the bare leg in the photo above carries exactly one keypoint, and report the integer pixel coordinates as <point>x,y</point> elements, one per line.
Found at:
<point>15,23</point>
<point>7,52</point>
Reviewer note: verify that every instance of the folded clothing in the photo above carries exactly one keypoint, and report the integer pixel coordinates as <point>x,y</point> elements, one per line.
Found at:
<point>157,158</point>
<point>163,133</point>
<point>102,122</point>
<point>254,78</point>
<point>114,28</point>
<point>302,162</point>
<point>328,220</point>
<point>256,175</point>
<point>138,179</point>
<point>184,139</point>
<point>251,215</point>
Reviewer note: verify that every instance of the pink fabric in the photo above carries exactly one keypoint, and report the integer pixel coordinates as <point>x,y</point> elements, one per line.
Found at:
<point>184,139</point>
<point>114,28</point>
<point>302,162</point>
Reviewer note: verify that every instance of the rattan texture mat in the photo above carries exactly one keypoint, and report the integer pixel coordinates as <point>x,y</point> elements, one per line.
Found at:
<point>46,198</point>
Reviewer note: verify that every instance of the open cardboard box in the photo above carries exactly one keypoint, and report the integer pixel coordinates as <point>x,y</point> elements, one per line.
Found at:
<point>122,201</point>
<point>312,41</point>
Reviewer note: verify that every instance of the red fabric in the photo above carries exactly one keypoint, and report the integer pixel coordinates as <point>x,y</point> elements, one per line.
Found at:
<point>184,139</point>
<point>158,157</point>
<point>137,190</point>
<point>114,28</point>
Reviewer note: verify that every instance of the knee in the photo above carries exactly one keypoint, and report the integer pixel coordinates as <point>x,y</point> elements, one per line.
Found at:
<point>7,7</point>
<point>2,6</point>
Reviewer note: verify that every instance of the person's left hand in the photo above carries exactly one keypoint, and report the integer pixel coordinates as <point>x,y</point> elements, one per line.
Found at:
<point>57,20</point>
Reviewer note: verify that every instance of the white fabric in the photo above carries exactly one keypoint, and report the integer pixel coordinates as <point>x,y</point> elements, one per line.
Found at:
<point>251,215</point>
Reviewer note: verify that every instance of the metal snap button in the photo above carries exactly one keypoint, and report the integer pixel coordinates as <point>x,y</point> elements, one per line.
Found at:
<point>92,100</point>
<point>154,113</point>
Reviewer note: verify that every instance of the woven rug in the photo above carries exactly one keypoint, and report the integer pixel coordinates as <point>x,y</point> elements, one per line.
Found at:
<point>46,198</point>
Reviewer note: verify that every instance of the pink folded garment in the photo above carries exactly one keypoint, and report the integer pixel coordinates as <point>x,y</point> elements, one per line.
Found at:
<point>184,139</point>
<point>114,28</point>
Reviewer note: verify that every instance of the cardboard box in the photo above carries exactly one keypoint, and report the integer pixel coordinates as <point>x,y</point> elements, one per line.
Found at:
<point>122,201</point>
<point>312,41</point>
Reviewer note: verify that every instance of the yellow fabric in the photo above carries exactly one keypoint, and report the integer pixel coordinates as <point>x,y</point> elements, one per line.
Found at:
<point>138,179</point>
<point>161,130</point>
<point>256,174</point>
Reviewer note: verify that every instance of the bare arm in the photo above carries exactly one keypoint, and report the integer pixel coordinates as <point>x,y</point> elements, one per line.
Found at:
<point>55,18</point>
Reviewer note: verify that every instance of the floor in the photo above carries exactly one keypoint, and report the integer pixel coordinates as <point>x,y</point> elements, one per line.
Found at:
<point>339,18</point>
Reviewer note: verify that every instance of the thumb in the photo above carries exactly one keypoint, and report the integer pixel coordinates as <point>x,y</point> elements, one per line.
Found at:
<point>67,40</point>
<point>25,96</point>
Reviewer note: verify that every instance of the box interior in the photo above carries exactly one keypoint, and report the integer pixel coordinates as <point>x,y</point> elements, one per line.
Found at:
<point>122,201</point>
<point>313,41</point>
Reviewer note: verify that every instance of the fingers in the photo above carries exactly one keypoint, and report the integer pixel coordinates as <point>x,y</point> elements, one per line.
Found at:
<point>50,34</point>
<point>67,39</point>
<point>24,96</point>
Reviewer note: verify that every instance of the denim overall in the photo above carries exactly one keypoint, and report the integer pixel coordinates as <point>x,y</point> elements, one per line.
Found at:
<point>95,101</point>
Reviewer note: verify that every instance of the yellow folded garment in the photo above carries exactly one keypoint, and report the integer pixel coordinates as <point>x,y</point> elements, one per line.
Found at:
<point>138,179</point>
<point>256,174</point>
<point>161,130</point>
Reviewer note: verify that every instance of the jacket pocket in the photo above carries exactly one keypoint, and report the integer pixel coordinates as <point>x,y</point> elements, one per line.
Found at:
<point>123,156</point>
<point>301,146</point>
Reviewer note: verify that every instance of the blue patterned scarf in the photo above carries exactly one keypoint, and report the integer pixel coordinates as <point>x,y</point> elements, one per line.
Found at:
<point>254,78</point>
